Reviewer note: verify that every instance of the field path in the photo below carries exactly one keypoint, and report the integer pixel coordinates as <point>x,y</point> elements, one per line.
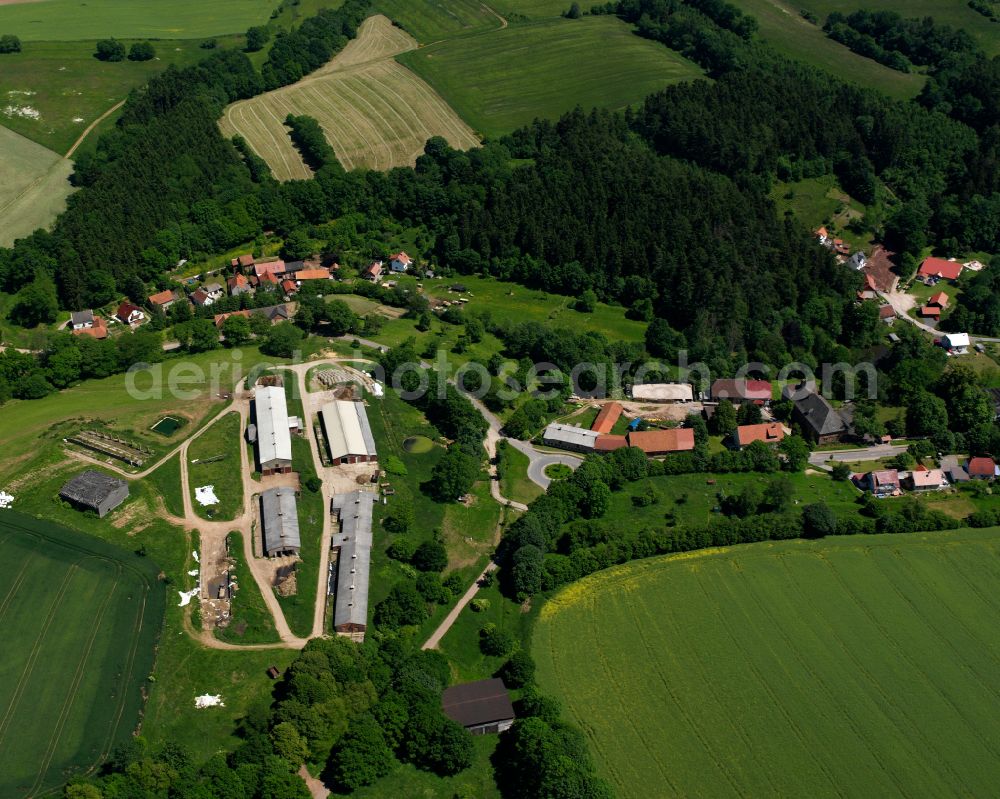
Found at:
<point>91,126</point>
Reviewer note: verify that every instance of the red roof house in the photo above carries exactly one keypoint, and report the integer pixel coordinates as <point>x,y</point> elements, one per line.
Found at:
<point>163,299</point>
<point>931,311</point>
<point>98,330</point>
<point>940,268</point>
<point>269,268</point>
<point>886,312</point>
<point>129,314</point>
<point>981,468</point>
<point>769,433</point>
<point>242,261</point>
<point>755,391</point>
<point>373,272</point>
<point>940,300</point>
<point>607,417</point>
<point>662,442</point>
<point>289,286</point>
<point>313,274</point>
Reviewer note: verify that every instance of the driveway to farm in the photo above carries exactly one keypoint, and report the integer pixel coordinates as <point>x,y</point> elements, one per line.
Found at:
<point>818,460</point>
<point>902,303</point>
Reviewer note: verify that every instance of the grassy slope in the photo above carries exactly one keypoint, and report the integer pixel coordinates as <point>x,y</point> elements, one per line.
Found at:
<point>508,78</point>
<point>949,12</point>
<point>786,31</point>
<point>125,19</point>
<point>166,480</point>
<point>431,20</point>
<point>65,83</point>
<point>776,669</point>
<point>251,622</point>
<point>34,185</point>
<point>222,438</point>
<point>514,483</point>
<point>70,678</point>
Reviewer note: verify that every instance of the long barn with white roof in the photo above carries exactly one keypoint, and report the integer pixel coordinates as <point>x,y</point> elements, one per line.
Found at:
<point>274,441</point>
<point>348,434</point>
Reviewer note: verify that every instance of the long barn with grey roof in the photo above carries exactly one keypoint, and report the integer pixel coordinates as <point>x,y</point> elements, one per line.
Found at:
<point>96,491</point>
<point>279,518</point>
<point>353,545</point>
<point>274,442</point>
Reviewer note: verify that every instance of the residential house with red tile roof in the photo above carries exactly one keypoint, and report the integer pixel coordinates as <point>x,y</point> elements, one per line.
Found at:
<point>768,432</point>
<point>238,285</point>
<point>662,442</point>
<point>129,314</point>
<point>755,391</point>
<point>400,262</point>
<point>163,299</point>
<point>373,272</point>
<point>981,468</point>
<point>940,268</point>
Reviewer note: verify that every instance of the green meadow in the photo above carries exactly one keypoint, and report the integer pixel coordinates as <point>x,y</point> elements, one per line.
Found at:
<point>430,20</point>
<point>62,20</point>
<point>34,185</point>
<point>217,451</point>
<point>860,666</point>
<point>543,69</point>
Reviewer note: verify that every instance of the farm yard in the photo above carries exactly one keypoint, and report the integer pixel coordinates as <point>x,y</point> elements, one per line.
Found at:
<point>59,20</point>
<point>858,666</point>
<point>375,113</point>
<point>503,80</point>
<point>34,185</point>
<point>78,620</point>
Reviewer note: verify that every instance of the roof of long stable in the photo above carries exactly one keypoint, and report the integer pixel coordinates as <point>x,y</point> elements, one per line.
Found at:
<point>355,542</point>
<point>279,515</point>
<point>274,442</point>
<point>347,430</point>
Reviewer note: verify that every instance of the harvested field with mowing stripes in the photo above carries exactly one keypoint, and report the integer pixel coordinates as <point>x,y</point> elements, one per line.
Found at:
<point>862,666</point>
<point>78,618</point>
<point>374,112</point>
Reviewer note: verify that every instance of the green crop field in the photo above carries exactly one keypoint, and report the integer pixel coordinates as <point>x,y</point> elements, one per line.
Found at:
<point>956,13</point>
<point>533,9</point>
<point>508,78</point>
<point>430,20</point>
<point>783,27</point>
<point>52,91</point>
<point>78,620</point>
<point>861,666</point>
<point>72,20</point>
<point>34,185</point>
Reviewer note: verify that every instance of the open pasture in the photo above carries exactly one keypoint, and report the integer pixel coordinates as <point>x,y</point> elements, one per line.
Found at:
<point>784,28</point>
<point>543,69</point>
<point>431,20</point>
<point>53,91</point>
<point>34,185</point>
<point>860,666</point>
<point>78,620</point>
<point>376,114</point>
<point>71,20</point>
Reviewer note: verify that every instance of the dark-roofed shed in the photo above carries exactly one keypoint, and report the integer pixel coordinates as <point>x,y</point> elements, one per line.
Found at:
<point>96,491</point>
<point>482,707</point>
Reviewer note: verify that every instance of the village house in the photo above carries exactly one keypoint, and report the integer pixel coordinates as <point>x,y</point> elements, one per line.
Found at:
<point>823,235</point>
<point>857,261</point>
<point>768,432</point>
<point>756,391</point>
<point>956,343</point>
<point>981,468</point>
<point>200,299</point>
<point>373,272</point>
<point>819,421</point>
<point>242,262</point>
<point>926,480</point>
<point>289,286</point>
<point>163,299</point>
<point>400,262</point>
<point>840,247</point>
<point>663,392</point>
<point>882,483</point>
<point>869,291</point>
<point>934,269</point>
<point>275,268</point>
<point>887,314</point>
<point>129,314</point>
<point>81,320</point>
<point>97,328</point>
<point>215,291</point>
<point>320,273</point>
<point>935,305</point>
<point>238,285</point>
